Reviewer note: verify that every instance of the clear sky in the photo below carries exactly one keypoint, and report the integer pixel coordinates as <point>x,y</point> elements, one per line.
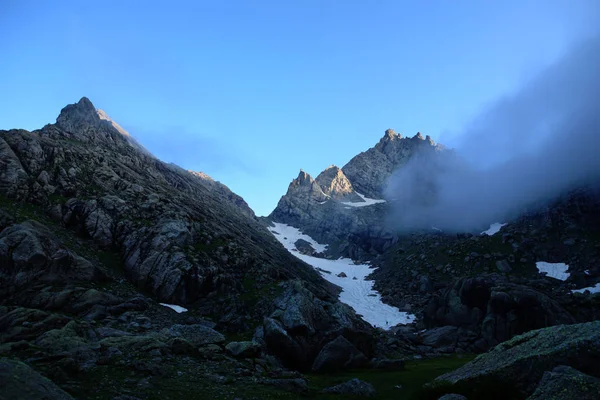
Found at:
<point>251,91</point>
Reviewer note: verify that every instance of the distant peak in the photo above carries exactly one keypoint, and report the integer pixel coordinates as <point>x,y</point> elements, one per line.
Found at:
<point>418,136</point>
<point>83,111</point>
<point>390,135</point>
<point>303,176</point>
<point>86,103</point>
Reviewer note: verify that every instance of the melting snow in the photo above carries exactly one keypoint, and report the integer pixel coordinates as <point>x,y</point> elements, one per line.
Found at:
<point>288,236</point>
<point>494,228</point>
<point>366,202</point>
<point>357,293</point>
<point>177,309</point>
<point>553,270</point>
<point>436,229</point>
<point>591,289</point>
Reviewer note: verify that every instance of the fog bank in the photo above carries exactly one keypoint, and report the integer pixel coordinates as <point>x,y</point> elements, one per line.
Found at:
<point>527,147</point>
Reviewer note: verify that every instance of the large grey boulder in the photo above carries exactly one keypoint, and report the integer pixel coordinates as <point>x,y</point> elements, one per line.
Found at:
<point>19,381</point>
<point>338,354</point>
<point>566,383</point>
<point>516,366</point>
<point>300,326</point>
<point>243,349</point>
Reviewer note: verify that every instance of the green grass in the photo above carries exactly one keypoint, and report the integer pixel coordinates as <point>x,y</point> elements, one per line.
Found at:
<point>411,379</point>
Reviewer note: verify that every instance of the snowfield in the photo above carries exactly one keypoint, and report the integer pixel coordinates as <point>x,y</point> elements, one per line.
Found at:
<point>367,201</point>
<point>356,292</point>
<point>178,309</point>
<point>553,270</point>
<point>591,289</point>
<point>493,229</point>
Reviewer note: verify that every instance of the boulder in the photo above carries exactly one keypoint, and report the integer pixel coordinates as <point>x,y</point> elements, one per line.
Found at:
<point>19,381</point>
<point>494,308</point>
<point>516,366</point>
<point>566,383</point>
<point>338,354</point>
<point>197,334</point>
<point>243,349</point>
<point>353,387</point>
<point>438,337</point>
<point>453,396</point>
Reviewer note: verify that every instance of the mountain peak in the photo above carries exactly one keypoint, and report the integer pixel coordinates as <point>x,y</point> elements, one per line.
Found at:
<point>390,135</point>
<point>303,177</point>
<point>75,114</point>
<point>419,136</point>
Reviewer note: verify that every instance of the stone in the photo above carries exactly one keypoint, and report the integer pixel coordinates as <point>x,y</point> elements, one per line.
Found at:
<point>243,349</point>
<point>518,364</point>
<point>353,387</point>
<point>338,354</point>
<point>566,383</point>
<point>453,396</point>
<point>438,337</point>
<point>19,381</point>
<point>503,266</point>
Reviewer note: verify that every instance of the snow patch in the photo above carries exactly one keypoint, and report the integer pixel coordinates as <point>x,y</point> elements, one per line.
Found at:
<point>553,270</point>
<point>288,236</point>
<point>494,228</point>
<point>357,293</point>
<point>178,309</point>
<point>366,202</point>
<point>436,229</point>
<point>591,289</point>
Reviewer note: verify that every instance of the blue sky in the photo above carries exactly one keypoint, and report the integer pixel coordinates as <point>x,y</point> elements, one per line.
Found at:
<point>251,91</point>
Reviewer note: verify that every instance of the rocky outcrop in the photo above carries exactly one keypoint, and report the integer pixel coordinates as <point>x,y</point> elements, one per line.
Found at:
<point>493,309</point>
<point>19,381</point>
<point>305,331</point>
<point>566,383</point>
<point>515,367</point>
<point>335,185</point>
<point>29,255</point>
<point>338,354</point>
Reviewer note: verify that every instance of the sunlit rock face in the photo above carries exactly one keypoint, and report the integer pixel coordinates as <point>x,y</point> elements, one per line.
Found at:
<point>346,205</point>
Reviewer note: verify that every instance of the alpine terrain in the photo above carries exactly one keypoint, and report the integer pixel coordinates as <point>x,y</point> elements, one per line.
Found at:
<point>123,277</point>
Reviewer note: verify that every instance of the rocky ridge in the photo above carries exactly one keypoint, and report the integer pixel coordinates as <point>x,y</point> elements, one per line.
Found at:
<point>320,207</point>
<point>95,232</point>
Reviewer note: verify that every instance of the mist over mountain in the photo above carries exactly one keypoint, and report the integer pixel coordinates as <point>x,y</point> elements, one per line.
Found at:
<point>526,148</point>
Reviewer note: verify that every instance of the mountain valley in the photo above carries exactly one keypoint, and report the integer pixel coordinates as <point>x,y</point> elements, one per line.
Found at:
<point>123,277</point>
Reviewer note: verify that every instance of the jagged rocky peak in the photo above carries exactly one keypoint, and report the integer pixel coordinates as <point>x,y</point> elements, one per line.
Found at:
<point>419,136</point>
<point>303,179</point>
<point>73,115</point>
<point>334,183</point>
<point>390,135</point>
<point>369,170</point>
<point>83,122</point>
